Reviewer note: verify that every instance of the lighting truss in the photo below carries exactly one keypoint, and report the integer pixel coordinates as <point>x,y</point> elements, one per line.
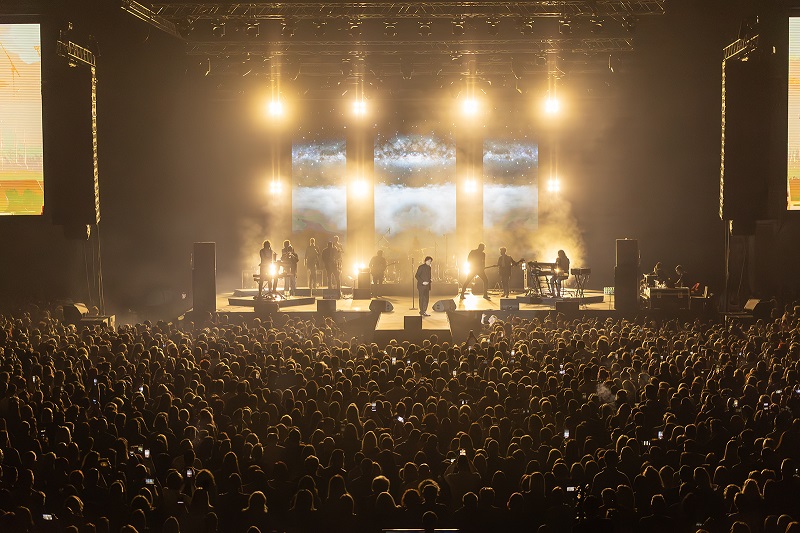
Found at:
<point>408,9</point>
<point>75,52</point>
<point>397,47</point>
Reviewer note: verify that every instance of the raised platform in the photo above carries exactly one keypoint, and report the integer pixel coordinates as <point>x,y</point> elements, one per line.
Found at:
<point>247,298</point>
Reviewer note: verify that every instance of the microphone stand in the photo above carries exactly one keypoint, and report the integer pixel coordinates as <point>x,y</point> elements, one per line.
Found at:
<point>413,307</point>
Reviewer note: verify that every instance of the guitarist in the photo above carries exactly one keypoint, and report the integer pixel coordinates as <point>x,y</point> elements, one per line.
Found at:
<point>504,265</point>
<point>477,269</point>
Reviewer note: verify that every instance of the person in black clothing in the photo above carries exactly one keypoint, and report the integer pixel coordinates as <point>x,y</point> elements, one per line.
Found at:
<point>377,267</point>
<point>560,274</point>
<point>289,259</point>
<point>477,269</point>
<point>311,261</point>
<point>267,259</point>
<point>332,261</point>
<point>504,265</point>
<point>423,277</point>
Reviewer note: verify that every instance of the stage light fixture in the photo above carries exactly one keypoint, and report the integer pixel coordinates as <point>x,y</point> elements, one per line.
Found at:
<point>459,25</point>
<point>526,25</point>
<point>354,28</point>
<point>320,26</point>
<point>554,185</point>
<point>275,187</point>
<point>288,28</point>
<point>359,107</point>
<point>252,29</point>
<point>629,23</point>
<point>425,28</point>
<point>470,107</point>
<point>218,28</point>
<point>470,186</point>
<point>564,26</point>
<point>465,268</point>
<point>552,105</point>
<point>275,108</point>
<point>390,28</point>
<point>359,187</point>
<point>493,24</point>
<point>596,24</point>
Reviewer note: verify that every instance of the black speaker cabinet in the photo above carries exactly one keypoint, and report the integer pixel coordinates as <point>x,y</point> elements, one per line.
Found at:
<point>326,307</point>
<point>204,277</point>
<point>444,305</point>
<point>412,323</point>
<point>73,313</point>
<point>362,293</point>
<point>568,307</point>
<point>364,280</point>
<point>626,288</point>
<point>628,253</point>
<point>382,306</point>
<point>508,304</point>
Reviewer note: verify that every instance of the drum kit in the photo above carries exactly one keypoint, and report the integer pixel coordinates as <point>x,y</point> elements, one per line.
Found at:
<point>401,264</point>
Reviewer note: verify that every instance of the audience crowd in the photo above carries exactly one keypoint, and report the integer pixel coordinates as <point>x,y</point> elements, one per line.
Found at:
<point>542,425</point>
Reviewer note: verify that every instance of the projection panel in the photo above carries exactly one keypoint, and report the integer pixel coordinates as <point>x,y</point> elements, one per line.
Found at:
<point>21,173</point>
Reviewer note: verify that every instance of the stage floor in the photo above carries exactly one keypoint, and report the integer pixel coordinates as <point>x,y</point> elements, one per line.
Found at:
<point>403,306</point>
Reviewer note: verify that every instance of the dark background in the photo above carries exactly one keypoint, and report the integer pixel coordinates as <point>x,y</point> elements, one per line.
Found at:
<point>180,161</point>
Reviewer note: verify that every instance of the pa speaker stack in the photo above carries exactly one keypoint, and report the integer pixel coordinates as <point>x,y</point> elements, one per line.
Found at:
<point>626,276</point>
<point>204,277</point>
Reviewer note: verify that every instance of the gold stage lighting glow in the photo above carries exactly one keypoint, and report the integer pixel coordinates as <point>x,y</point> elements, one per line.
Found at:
<point>554,185</point>
<point>275,187</point>
<point>359,187</point>
<point>552,105</point>
<point>470,107</point>
<point>465,268</point>
<point>359,108</point>
<point>470,186</point>
<point>275,108</point>
<point>273,269</point>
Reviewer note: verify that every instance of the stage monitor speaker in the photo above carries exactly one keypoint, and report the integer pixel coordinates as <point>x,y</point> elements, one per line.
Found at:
<point>628,253</point>
<point>444,305</point>
<point>326,307</point>
<point>383,306</point>
<point>760,309</point>
<point>73,313</point>
<point>412,323</point>
<point>568,307</point>
<point>509,304</point>
<point>331,294</point>
<point>361,293</point>
<point>626,289</point>
<point>204,277</point>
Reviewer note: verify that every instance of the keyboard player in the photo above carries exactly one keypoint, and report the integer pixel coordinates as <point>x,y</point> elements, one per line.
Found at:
<point>560,273</point>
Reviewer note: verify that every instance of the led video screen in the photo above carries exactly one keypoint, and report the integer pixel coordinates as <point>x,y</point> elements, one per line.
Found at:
<point>415,193</point>
<point>21,170</point>
<point>510,194</point>
<point>793,166</point>
<point>319,202</point>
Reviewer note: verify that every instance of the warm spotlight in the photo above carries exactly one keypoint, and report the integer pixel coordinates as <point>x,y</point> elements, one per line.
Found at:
<point>470,186</point>
<point>275,108</point>
<point>275,187</point>
<point>554,185</point>
<point>359,108</point>
<point>552,105</point>
<point>470,107</point>
<point>359,187</point>
<point>465,267</point>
